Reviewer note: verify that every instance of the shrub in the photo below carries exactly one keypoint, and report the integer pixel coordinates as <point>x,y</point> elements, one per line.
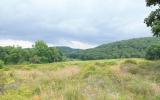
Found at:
<point>130,66</point>
<point>1,64</point>
<point>153,52</point>
<point>35,59</point>
<point>130,61</point>
<point>111,62</point>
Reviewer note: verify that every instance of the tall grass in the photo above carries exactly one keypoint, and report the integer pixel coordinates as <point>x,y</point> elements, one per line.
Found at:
<point>126,79</point>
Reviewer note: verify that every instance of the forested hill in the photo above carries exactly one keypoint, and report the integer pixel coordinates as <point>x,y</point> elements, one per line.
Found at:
<point>67,50</point>
<point>133,48</point>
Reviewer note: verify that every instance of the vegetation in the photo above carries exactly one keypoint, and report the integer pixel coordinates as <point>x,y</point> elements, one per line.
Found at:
<point>40,53</point>
<point>121,79</point>
<point>1,64</point>
<point>25,76</point>
<point>67,51</point>
<point>153,52</point>
<point>134,48</point>
<point>153,20</point>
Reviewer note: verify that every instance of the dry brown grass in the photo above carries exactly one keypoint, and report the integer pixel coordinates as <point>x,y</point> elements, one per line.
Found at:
<point>90,80</point>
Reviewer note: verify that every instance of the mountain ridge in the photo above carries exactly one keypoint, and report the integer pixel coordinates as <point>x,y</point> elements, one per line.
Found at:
<point>131,48</point>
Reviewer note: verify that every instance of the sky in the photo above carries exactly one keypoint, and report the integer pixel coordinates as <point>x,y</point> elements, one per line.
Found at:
<point>75,23</point>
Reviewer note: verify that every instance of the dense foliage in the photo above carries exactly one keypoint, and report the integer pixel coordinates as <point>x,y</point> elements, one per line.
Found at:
<point>153,52</point>
<point>153,20</point>
<point>134,48</point>
<point>67,51</point>
<point>1,64</point>
<point>40,53</point>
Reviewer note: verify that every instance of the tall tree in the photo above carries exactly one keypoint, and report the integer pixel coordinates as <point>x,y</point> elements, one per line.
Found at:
<point>47,54</point>
<point>153,20</point>
<point>41,49</point>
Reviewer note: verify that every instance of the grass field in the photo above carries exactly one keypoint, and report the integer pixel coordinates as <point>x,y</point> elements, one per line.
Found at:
<point>120,79</point>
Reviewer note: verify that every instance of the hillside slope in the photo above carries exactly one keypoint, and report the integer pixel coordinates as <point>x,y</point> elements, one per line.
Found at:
<point>67,50</point>
<point>121,79</point>
<point>133,48</point>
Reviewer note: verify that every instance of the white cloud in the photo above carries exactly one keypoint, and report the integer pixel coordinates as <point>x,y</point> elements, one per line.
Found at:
<point>21,43</point>
<point>28,44</point>
<point>75,44</point>
<point>80,45</point>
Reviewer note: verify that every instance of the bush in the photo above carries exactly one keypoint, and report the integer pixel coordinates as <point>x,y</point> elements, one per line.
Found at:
<point>35,59</point>
<point>130,61</point>
<point>1,64</point>
<point>130,66</point>
<point>153,52</point>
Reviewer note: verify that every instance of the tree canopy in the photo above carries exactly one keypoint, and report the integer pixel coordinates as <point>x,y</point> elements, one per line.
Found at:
<point>152,2</point>
<point>153,52</point>
<point>153,20</point>
<point>40,53</point>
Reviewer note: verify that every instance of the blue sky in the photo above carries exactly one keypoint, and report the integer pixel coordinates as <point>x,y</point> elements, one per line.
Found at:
<point>75,23</point>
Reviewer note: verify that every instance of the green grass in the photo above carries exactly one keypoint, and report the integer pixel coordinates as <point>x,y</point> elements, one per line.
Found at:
<point>117,79</point>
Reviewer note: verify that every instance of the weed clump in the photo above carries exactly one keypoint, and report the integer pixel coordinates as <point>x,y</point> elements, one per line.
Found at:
<point>129,66</point>
<point>130,61</point>
<point>111,62</point>
<point>73,94</point>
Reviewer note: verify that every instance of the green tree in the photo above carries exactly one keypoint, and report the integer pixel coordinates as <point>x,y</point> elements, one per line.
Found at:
<point>1,64</point>
<point>55,55</point>
<point>15,55</point>
<point>41,49</point>
<point>28,53</point>
<point>40,53</point>
<point>35,59</point>
<point>153,52</point>
<point>47,54</point>
<point>153,20</point>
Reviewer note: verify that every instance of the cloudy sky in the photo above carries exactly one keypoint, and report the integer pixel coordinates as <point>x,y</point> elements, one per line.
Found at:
<point>75,23</point>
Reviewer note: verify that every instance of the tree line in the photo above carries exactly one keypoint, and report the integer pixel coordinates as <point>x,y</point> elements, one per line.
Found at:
<point>40,53</point>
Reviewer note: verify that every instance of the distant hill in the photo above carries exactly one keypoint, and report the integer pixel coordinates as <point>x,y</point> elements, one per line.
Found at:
<point>132,48</point>
<point>67,50</point>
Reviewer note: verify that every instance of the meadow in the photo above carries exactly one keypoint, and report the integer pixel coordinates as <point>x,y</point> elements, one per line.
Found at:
<point>115,79</point>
